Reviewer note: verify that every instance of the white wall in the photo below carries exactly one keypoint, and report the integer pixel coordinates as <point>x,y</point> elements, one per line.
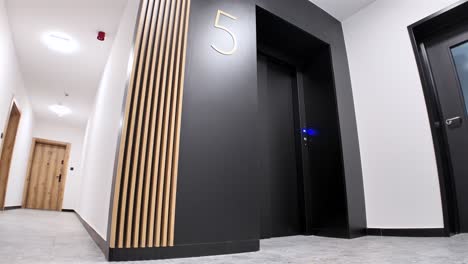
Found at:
<point>53,130</point>
<point>103,128</point>
<point>400,174</point>
<point>12,86</point>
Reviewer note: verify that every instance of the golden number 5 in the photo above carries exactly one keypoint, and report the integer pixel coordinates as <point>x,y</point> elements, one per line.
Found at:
<point>217,25</point>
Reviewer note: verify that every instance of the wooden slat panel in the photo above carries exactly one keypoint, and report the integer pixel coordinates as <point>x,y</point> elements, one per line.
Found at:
<point>116,205</point>
<point>162,172</point>
<point>170,104</point>
<point>180,85</point>
<point>146,176</point>
<point>137,116</point>
<point>121,181</point>
<point>139,162</point>
<point>153,158</point>
<point>158,152</point>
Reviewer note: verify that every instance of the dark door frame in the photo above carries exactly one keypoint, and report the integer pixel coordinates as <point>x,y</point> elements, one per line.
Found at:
<point>270,46</point>
<point>421,32</point>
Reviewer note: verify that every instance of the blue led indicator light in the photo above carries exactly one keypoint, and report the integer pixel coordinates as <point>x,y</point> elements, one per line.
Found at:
<point>310,132</point>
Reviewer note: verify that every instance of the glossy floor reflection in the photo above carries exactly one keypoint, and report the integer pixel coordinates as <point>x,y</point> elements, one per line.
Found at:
<point>28,236</point>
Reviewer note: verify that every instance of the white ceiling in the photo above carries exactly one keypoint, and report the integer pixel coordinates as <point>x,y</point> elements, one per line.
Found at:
<point>342,9</point>
<point>48,73</point>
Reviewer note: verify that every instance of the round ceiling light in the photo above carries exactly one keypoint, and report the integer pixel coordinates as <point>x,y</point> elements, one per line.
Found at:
<point>60,110</point>
<point>60,42</point>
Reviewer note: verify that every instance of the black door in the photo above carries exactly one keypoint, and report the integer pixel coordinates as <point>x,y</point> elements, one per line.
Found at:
<point>281,213</point>
<point>448,59</point>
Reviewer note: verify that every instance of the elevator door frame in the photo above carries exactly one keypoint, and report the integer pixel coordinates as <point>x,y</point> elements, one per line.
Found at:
<point>325,192</point>
<point>304,166</point>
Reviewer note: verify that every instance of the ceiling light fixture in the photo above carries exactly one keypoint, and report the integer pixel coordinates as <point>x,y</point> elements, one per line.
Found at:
<point>60,42</point>
<point>60,110</point>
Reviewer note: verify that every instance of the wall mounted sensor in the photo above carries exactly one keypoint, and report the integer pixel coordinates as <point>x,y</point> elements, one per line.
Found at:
<point>101,36</point>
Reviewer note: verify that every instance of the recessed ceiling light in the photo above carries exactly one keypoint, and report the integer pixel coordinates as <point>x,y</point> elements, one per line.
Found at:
<point>60,42</point>
<point>60,110</point>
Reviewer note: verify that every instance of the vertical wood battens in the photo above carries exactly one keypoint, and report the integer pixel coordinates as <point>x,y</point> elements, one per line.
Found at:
<point>169,125</point>
<point>181,80</point>
<point>166,83</point>
<point>153,151</point>
<point>143,210</point>
<point>118,208</point>
<point>141,132</point>
<point>126,217</point>
<point>156,159</point>
<point>149,79</point>
<point>137,116</point>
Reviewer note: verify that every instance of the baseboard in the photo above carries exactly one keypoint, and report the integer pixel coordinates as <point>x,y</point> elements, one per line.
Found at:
<point>357,233</point>
<point>329,232</point>
<point>423,232</point>
<point>337,232</point>
<point>183,251</point>
<point>68,210</point>
<point>100,242</point>
<point>7,208</point>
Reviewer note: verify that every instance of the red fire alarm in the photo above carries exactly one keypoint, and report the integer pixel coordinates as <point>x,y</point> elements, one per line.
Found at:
<point>101,36</point>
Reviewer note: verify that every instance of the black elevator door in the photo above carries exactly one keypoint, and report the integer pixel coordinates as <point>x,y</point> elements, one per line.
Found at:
<point>281,214</point>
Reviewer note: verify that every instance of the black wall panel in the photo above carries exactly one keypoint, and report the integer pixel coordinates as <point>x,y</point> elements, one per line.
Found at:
<point>217,193</point>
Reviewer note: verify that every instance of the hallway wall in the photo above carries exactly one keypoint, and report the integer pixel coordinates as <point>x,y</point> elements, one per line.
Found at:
<point>400,173</point>
<point>12,86</point>
<point>103,128</point>
<point>74,135</point>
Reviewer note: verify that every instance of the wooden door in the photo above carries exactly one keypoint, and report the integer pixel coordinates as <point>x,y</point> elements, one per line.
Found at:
<point>47,175</point>
<point>7,151</point>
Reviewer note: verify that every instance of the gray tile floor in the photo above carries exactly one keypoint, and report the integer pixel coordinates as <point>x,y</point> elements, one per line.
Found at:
<point>28,236</point>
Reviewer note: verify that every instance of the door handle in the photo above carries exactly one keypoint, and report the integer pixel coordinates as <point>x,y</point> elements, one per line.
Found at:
<point>60,177</point>
<point>455,121</point>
